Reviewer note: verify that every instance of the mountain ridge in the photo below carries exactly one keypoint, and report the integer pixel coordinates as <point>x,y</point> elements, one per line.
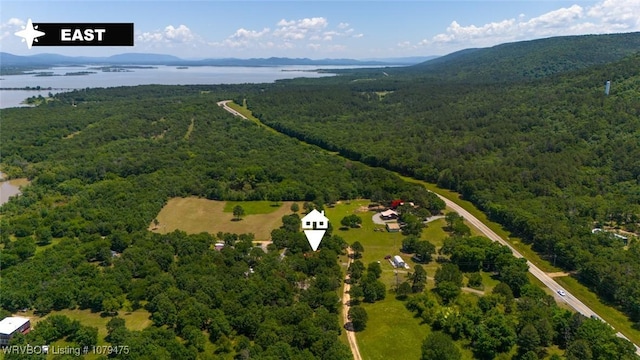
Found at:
<point>48,59</point>
<point>529,59</point>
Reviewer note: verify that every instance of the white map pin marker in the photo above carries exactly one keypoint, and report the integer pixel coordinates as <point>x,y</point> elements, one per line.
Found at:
<point>315,224</point>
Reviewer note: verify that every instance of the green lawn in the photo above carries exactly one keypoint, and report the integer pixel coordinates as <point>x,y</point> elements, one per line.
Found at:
<point>607,313</point>
<point>392,332</point>
<point>135,320</point>
<point>377,244</point>
<point>488,282</point>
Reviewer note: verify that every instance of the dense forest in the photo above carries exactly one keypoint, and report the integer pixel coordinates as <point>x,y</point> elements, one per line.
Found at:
<point>550,159</point>
<point>102,170</point>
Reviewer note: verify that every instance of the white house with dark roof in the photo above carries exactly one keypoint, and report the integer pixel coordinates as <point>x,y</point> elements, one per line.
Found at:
<point>315,220</point>
<point>389,215</point>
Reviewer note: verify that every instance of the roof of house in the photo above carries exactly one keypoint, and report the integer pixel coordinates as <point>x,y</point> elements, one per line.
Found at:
<point>315,215</point>
<point>389,213</point>
<point>398,259</point>
<point>393,225</point>
<point>10,324</point>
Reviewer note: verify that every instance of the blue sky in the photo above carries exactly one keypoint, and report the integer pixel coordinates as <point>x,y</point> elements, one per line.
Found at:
<point>320,29</point>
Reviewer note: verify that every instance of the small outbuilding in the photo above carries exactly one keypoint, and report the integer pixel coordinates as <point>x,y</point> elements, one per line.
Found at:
<point>393,227</point>
<point>398,262</point>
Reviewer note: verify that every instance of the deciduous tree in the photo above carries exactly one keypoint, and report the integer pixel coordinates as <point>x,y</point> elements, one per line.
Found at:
<point>439,346</point>
<point>358,317</point>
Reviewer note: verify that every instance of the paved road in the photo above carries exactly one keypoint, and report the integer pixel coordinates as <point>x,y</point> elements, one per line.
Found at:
<point>224,105</point>
<point>571,300</point>
<point>541,275</point>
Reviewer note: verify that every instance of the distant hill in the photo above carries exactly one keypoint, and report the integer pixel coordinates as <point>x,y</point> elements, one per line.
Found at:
<point>409,60</point>
<point>529,59</point>
<point>39,60</point>
<point>143,58</point>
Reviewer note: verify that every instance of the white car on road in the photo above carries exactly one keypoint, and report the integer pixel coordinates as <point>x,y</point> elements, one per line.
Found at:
<point>561,293</point>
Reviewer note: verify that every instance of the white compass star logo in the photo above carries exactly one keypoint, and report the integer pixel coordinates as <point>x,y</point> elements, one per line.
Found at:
<point>30,34</point>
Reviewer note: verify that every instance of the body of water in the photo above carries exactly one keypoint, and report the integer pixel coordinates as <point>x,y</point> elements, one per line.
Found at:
<point>161,75</point>
<point>7,190</point>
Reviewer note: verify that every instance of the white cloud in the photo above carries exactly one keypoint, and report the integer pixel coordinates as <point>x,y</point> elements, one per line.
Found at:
<point>179,34</point>
<point>249,34</point>
<point>457,32</point>
<point>299,29</point>
<point>170,34</point>
<point>10,27</point>
<point>15,22</point>
<point>617,14</point>
<point>556,19</point>
<point>284,22</point>
<point>305,33</point>
<point>605,16</point>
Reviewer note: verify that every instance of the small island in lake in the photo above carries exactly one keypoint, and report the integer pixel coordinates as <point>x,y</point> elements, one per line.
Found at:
<point>80,73</point>
<point>121,68</point>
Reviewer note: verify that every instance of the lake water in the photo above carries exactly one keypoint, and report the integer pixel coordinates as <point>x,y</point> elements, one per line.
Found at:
<point>7,190</point>
<point>161,75</point>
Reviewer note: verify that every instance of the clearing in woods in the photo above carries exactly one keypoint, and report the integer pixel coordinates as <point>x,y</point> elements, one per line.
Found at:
<point>195,215</point>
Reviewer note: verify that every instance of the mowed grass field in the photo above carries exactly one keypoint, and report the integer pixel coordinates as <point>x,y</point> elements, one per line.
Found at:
<point>134,320</point>
<point>195,215</point>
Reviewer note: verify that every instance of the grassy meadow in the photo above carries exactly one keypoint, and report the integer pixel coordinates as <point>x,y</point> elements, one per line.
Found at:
<point>195,215</point>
